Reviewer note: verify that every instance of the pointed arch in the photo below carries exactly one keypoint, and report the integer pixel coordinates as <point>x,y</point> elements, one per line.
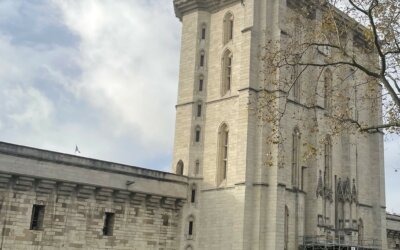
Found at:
<point>228,27</point>
<point>179,168</point>
<point>227,60</point>
<point>295,156</point>
<point>223,149</point>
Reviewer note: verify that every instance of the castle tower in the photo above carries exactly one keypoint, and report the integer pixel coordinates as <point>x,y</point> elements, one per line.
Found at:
<point>246,190</point>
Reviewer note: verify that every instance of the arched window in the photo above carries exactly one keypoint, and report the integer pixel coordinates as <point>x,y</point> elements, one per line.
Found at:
<point>226,72</point>
<point>223,146</point>
<point>201,83</point>
<point>295,157</point>
<point>197,134</point>
<point>228,27</point>
<point>179,167</point>
<point>328,162</point>
<point>199,109</point>
<point>197,167</point>
<point>193,193</point>
<point>360,232</point>
<point>189,248</point>
<point>328,90</point>
<point>202,58</point>
<point>286,225</point>
<point>203,32</point>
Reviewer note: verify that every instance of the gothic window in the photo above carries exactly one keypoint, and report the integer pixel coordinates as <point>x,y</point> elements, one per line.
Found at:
<point>197,134</point>
<point>328,162</point>
<point>286,225</point>
<point>223,146</point>
<point>296,82</point>
<point>202,58</point>
<point>295,157</point>
<point>201,83</point>
<point>37,217</point>
<point>179,168</point>
<point>328,90</point>
<point>226,72</point>
<point>228,27</point>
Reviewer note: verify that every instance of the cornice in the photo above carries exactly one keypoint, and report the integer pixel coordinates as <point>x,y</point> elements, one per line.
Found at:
<point>184,6</point>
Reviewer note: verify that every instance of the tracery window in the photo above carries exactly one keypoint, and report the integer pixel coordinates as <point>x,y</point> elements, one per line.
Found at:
<point>295,157</point>
<point>228,27</point>
<point>223,146</point>
<point>226,72</point>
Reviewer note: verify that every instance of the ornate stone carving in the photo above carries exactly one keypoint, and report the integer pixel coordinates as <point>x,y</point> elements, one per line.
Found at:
<point>320,186</point>
<point>354,192</point>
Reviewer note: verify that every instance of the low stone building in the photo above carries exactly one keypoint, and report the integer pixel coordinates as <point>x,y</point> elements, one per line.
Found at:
<point>51,200</point>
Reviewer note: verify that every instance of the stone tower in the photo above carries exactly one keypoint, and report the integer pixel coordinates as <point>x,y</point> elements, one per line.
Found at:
<point>246,191</point>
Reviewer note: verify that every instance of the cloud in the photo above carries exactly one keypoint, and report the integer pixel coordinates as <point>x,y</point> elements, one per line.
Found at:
<point>100,74</point>
<point>129,61</point>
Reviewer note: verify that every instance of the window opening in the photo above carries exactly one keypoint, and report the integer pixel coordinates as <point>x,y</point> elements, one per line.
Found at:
<point>37,217</point>
<point>108,224</point>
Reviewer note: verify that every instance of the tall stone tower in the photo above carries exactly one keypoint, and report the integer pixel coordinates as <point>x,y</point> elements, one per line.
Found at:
<point>248,191</point>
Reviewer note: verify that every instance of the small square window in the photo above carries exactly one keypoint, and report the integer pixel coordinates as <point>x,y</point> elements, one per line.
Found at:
<point>37,217</point>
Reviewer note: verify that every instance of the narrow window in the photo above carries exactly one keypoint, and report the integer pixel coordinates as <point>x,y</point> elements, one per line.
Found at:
<point>108,224</point>
<point>165,219</point>
<point>199,110</point>
<point>197,167</point>
<point>223,144</point>
<point>203,33</point>
<point>228,27</point>
<point>179,168</point>
<point>227,61</point>
<point>37,217</point>
<point>328,90</point>
<point>328,162</point>
<point>286,225</point>
<point>201,83</point>
<point>193,195</point>
<point>190,228</point>
<point>296,83</point>
<point>202,58</point>
<point>197,136</point>
<point>295,157</point>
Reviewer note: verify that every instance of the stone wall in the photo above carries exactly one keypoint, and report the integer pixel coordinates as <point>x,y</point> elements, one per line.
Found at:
<point>75,203</point>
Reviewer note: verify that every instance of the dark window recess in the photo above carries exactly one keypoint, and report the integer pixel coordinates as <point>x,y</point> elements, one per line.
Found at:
<point>37,217</point>
<point>201,82</point>
<point>203,33</point>
<point>197,135</point>
<point>190,227</point>
<point>165,219</point>
<point>201,60</point>
<point>198,110</point>
<point>193,198</point>
<point>108,224</point>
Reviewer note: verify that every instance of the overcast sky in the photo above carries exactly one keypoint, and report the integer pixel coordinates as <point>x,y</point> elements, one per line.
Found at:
<point>101,74</point>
